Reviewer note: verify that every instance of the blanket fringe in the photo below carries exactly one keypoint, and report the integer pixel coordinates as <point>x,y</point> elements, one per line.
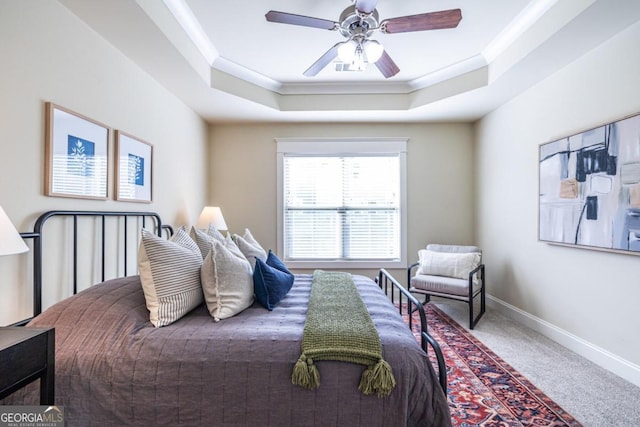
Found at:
<point>377,379</point>
<point>305,373</point>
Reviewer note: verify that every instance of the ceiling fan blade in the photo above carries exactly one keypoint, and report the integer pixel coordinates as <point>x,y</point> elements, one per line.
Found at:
<point>323,61</point>
<point>387,67</point>
<point>366,6</point>
<point>424,21</point>
<point>305,21</point>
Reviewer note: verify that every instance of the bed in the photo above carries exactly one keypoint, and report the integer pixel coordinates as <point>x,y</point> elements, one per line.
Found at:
<point>114,368</point>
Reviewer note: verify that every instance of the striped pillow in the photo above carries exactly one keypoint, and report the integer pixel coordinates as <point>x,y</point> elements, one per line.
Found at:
<point>203,240</point>
<point>170,275</point>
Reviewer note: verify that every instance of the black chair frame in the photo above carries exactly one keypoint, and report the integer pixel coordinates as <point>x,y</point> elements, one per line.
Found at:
<point>469,300</point>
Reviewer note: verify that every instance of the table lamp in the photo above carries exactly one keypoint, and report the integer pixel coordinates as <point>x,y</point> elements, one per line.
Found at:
<point>10,240</point>
<point>211,215</point>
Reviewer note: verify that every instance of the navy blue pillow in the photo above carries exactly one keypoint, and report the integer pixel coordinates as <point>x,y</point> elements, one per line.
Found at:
<point>274,261</point>
<point>270,284</point>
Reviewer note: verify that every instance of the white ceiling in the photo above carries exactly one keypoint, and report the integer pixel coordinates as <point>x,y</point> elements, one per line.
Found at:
<point>248,69</point>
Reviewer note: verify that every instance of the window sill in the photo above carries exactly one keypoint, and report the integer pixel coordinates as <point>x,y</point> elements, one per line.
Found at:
<point>344,264</point>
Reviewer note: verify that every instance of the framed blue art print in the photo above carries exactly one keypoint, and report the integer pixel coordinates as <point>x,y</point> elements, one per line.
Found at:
<point>76,153</point>
<point>133,168</point>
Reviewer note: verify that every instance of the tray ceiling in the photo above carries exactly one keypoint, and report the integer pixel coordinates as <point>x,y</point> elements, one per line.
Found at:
<point>229,64</point>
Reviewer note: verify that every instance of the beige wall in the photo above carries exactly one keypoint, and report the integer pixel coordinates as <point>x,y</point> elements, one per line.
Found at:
<point>578,296</point>
<point>47,54</point>
<point>586,299</point>
<point>242,177</point>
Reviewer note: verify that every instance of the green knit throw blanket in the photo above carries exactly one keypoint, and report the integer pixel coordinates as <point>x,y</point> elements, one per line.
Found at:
<point>338,327</point>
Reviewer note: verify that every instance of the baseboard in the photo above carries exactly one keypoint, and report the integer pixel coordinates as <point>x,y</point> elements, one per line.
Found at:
<point>598,355</point>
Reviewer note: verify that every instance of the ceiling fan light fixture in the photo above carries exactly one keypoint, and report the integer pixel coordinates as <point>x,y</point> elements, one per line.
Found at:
<point>357,23</point>
<point>347,51</point>
<point>374,50</point>
<point>359,62</point>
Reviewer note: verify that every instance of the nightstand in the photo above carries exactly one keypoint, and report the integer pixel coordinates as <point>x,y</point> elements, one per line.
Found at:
<point>27,354</point>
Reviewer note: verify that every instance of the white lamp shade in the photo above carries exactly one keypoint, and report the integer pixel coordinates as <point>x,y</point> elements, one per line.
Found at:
<point>366,6</point>
<point>374,50</point>
<point>211,215</point>
<point>10,240</point>
<point>347,51</point>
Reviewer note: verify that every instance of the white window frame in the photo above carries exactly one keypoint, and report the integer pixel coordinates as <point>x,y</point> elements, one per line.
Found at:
<point>344,146</point>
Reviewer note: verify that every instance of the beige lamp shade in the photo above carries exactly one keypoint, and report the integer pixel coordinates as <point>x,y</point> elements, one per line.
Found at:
<point>211,215</point>
<point>10,240</point>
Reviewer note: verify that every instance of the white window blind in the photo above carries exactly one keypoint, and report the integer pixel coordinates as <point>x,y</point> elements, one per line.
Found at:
<point>342,208</point>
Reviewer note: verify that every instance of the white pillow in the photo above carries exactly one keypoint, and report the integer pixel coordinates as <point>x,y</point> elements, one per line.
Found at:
<point>170,276</point>
<point>233,248</point>
<point>227,282</point>
<point>213,232</point>
<point>250,248</point>
<point>447,264</point>
<point>205,242</point>
<point>250,239</point>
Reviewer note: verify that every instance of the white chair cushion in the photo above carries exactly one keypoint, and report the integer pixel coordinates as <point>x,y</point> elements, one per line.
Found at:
<point>442,285</point>
<point>459,249</point>
<point>448,264</point>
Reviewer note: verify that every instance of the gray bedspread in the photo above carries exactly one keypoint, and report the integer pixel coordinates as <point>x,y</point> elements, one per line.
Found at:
<point>113,368</point>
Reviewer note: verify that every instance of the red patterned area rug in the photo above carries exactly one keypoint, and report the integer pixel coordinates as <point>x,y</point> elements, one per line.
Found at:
<point>483,390</point>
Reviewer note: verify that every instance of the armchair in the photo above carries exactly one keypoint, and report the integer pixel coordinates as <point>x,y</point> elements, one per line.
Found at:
<point>450,271</point>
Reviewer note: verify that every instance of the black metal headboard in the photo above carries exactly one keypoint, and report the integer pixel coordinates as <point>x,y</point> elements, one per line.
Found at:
<point>37,236</point>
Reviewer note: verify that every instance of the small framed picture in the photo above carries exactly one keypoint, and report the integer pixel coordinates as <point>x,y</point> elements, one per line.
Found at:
<point>76,155</point>
<point>134,166</point>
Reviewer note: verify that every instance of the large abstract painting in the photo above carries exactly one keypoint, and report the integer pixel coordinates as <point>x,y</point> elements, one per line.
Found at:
<point>590,188</point>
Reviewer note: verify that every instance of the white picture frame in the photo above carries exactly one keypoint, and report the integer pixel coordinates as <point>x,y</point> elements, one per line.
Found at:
<point>134,169</point>
<point>76,155</point>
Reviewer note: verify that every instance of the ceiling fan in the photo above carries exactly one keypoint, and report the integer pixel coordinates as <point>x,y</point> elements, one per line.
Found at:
<point>357,23</point>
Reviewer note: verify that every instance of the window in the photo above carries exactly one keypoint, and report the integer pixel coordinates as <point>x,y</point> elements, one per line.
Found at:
<point>341,203</point>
